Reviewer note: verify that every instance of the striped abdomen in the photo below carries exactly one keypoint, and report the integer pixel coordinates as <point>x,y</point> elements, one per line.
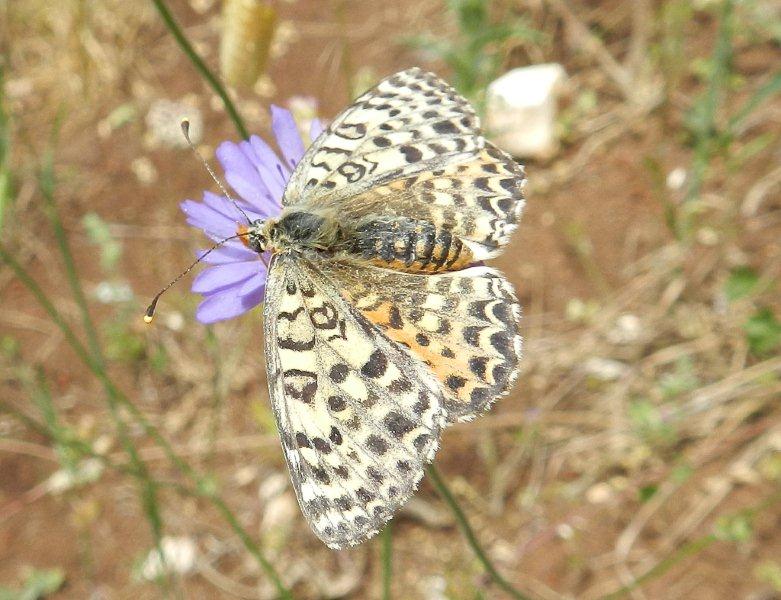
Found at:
<point>409,245</point>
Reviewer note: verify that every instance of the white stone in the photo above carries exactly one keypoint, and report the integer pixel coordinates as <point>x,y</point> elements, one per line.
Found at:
<point>87,471</point>
<point>676,178</point>
<point>521,110</point>
<point>180,554</point>
<point>605,369</point>
<point>626,330</point>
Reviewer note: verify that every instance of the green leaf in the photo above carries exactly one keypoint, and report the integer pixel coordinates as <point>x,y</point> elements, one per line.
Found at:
<point>681,473</point>
<point>742,281</point>
<point>734,528</point>
<point>6,179</point>
<point>764,93</point>
<point>763,332</point>
<point>647,492</point>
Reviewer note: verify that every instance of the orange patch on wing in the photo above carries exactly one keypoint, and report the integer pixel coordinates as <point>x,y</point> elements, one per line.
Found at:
<point>431,353</point>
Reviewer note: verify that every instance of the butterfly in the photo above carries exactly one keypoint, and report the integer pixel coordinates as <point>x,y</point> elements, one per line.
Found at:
<point>381,324</point>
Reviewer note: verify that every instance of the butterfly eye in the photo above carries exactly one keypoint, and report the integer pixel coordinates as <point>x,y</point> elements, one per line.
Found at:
<point>257,242</point>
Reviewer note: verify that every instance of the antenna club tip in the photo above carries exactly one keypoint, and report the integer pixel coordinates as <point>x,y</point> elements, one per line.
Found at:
<point>148,319</point>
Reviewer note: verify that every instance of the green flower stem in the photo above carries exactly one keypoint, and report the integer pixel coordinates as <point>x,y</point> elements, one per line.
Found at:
<point>47,183</point>
<point>706,130</point>
<point>203,487</point>
<point>469,534</point>
<point>387,560</point>
<point>210,78</point>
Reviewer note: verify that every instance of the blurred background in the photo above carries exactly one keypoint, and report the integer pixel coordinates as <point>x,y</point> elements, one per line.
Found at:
<point>639,454</point>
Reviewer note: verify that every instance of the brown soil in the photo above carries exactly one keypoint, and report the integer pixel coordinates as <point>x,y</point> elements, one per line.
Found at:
<point>547,528</point>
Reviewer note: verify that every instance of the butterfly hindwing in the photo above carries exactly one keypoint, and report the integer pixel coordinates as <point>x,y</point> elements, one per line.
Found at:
<point>358,417</point>
<point>462,325</point>
<point>479,200</point>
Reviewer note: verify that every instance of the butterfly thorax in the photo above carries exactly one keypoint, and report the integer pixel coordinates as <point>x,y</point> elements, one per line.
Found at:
<point>400,243</point>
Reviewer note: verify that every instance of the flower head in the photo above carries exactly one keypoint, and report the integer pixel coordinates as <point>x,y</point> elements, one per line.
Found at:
<point>235,280</point>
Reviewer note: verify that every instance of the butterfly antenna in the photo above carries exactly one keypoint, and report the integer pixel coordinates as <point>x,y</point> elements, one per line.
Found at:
<point>186,131</point>
<point>150,311</point>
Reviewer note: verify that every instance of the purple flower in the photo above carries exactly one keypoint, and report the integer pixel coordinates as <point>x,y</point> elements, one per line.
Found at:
<point>235,281</point>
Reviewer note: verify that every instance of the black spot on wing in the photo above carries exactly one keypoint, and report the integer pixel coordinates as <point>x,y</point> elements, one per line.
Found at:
<point>336,403</point>
<point>338,373</point>
<point>411,153</point>
<point>445,127</point>
<point>376,444</point>
<point>376,366</point>
<point>398,425</point>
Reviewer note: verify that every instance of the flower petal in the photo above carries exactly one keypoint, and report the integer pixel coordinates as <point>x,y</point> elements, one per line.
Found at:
<point>241,172</point>
<point>227,304</point>
<point>288,138</point>
<point>315,129</point>
<point>231,275</point>
<point>271,169</point>
<point>214,224</point>
<point>227,253</point>
<point>230,209</point>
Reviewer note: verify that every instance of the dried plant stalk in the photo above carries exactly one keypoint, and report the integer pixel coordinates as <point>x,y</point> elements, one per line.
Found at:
<point>247,31</point>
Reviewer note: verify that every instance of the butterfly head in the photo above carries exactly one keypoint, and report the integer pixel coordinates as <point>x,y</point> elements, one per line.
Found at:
<point>257,235</point>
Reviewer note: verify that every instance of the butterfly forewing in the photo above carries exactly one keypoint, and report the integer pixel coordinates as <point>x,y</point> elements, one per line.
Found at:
<point>412,147</point>
<point>358,416</point>
<point>409,123</point>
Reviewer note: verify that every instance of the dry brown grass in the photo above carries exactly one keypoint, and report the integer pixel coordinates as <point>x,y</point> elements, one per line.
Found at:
<point>642,421</point>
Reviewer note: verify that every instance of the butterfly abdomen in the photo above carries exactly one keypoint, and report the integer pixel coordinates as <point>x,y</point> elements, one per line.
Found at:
<point>410,245</point>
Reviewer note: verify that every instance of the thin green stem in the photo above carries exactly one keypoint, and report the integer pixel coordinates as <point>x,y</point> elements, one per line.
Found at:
<point>386,550</point>
<point>201,484</point>
<point>470,536</point>
<point>705,128</point>
<point>210,78</point>
<point>47,184</point>
<point>205,489</point>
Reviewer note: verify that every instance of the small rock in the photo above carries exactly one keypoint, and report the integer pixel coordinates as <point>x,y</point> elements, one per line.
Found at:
<point>521,110</point>
<point>565,531</point>
<point>174,320</point>
<point>144,170</point>
<point>434,587</point>
<point>605,369</point>
<point>113,292</point>
<point>87,471</point>
<point>245,475</point>
<point>600,493</point>
<point>626,330</point>
<point>272,486</point>
<point>180,556</point>
<point>676,178</point>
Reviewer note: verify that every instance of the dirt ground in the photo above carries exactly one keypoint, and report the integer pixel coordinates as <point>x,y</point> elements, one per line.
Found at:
<point>576,484</point>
